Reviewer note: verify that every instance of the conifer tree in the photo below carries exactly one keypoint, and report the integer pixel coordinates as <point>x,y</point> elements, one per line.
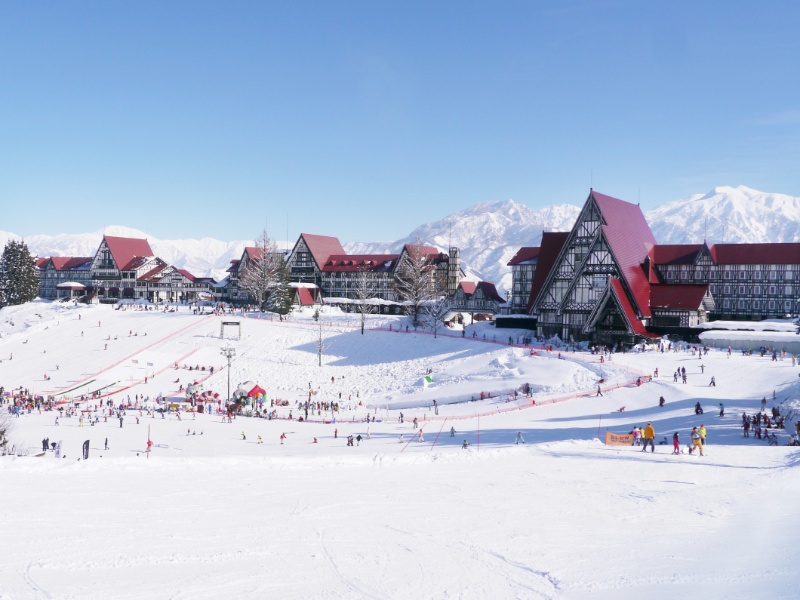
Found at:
<point>281,297</point>
<point>19,278</point>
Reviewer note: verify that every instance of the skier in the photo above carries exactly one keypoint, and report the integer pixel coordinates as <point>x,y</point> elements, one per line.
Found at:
<point>421,439</point>
<point>520,439</point>
<point>106,444</point>
<point>698,410</point>
<point>244,437</point>
<point>721,410</point>
<point>661,401</point>
<point>452,432</point>
<point>713,382</point>
<point>676,443</point>
<point>599,393</point>
<point>465,445</point>
<point>283,437</point>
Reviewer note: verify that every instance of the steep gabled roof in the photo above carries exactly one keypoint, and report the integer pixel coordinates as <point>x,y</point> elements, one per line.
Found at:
<point>124,250</point>
<point>421,250</point>
<point>358,262</point>
<point>630,239</point>
<point>756,254</point>
<point>307,296</point>
<point>321,247</point>
<point>615,292</point>
<point>41,263</point>
<point>234,266</point>
<point>468,287</point>
<point>154,273</point>
<point>186,274</point>
<point>552,242</point>
<point>525,255</point>
<point>676,254</point>
<point>489,291</point>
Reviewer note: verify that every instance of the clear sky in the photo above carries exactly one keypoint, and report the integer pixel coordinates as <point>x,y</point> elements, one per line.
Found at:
<point>364,119</point>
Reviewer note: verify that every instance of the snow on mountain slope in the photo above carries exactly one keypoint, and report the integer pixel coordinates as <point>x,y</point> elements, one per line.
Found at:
<point>488,235</point>
<point>727,214</point>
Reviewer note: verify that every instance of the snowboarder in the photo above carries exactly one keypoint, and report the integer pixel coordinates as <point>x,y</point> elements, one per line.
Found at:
<point>698,410</point>
<point>465,445</point>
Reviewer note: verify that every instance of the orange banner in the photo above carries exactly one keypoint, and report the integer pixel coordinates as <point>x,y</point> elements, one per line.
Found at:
<point>617,439</point>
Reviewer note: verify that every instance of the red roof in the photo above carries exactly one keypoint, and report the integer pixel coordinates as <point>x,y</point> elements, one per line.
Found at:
<point>552,242</point>
<point>489,291</point>
<point>358,262</point>
<point>40,262</point>
<point>524,255</point>
<point>468,287</point>
<point>306,296</point>
<point>676,254</point>
<point>186,274</point>
<point>124,250</point>
<point>65,263</point>
<point>627,310</point>
<point>153,272</point>
<point>756,254</point>
<point>677,296</point>
<point>234,266</point>
<point>630,239</point>
<point>421,250</point>
<point>321,247</point>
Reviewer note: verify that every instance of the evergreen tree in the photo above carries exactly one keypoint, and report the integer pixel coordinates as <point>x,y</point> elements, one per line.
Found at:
<point>281,297</point>
<point>20,278</point>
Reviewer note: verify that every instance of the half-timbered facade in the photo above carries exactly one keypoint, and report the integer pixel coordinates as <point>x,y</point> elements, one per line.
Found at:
<point>56,270</point>
<point>523,268</point>
<point>608,242</point>
<point>747,281</point>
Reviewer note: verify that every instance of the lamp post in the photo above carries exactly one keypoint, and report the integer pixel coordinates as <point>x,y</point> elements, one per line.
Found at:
<point>228,352</point>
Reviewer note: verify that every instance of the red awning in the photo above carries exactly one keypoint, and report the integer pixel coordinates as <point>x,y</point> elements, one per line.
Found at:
<point>256,391</point>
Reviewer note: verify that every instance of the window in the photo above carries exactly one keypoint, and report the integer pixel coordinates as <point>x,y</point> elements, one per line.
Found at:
<point>742,275</point>
<point>772,290</point>
<point>742,305</point>
<point>726,289</point>
<point>727,274</point>
<point>742,289</point>
<point>756,304</point>
<point>726,304</point>
<point>599,282</point>
<point>772,304</point>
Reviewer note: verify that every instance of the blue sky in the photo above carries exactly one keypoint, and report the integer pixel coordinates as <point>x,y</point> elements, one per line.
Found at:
<point>363,120</point>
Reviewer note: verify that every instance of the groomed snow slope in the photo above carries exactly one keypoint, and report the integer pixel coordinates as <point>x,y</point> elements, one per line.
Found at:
<point>210,515</point>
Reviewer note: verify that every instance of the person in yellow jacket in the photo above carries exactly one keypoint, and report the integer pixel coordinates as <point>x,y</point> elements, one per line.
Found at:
<point>648,436</point>
<point>702,432</point>
<point>696,443</point>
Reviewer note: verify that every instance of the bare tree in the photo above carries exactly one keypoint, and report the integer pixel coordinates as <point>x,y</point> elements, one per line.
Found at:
<point>321,343</point>
<point>436,309</point>
<point>262,269</point>
<point>414,280</point>
<point>364,291</point>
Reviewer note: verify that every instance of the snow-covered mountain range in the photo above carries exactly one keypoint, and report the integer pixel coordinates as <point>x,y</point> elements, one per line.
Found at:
<point>489,233</point>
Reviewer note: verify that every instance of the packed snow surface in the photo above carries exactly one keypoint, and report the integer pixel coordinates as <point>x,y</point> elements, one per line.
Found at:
<point>211,513</point>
